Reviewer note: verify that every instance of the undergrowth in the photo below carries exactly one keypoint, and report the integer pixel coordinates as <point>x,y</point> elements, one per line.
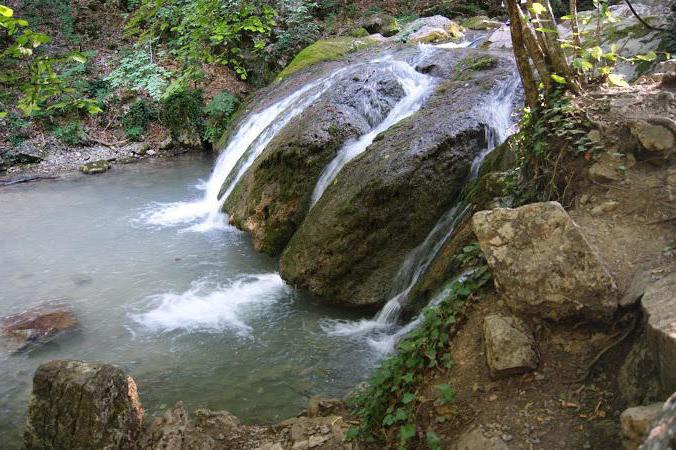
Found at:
<point>387,407</point>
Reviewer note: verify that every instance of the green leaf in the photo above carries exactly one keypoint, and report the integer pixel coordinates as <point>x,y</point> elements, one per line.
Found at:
<point>78,57</point>
<point>6,12</point>
<point>650,56</point>
<point>407,398</point>
<point>537,8</point>
<point>595,52</point>
<point>432,440</point>
<point>3,114</point>
<point>559,79</point>
<point>617,80</point>
<point>407,432</point>
<point>546,30</point>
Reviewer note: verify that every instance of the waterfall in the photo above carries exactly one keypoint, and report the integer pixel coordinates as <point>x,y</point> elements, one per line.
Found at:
<point>498,126</point>
<point>243,148</point>
<point>417,87</point>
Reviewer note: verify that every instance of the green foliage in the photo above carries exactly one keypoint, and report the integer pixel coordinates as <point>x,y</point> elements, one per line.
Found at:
<point>70,134</point>
<point>138,72</point>
<point>135,121</point>
<point>301,29</point>
<point>387,407</point>
<point>218,113</point>
<point>205,31</point>
<point>37,77</point>
<point>182,109</point>
<point>59,11</point>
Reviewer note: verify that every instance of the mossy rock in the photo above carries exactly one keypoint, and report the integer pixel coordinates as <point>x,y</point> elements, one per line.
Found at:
<point>359,32</point>
<point>95,167</point>
<point>325,50</point>
<point>381,23</point>
<point>481,23</point>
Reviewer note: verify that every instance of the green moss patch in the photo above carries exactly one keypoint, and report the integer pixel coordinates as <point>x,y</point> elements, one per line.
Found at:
<point>325,50</point>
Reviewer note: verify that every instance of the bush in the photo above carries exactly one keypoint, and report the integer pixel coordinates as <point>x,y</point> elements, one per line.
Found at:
<point>135,121</point>
<point>139,73</point>
<point>218,113</point>
<point>71,134</point>
<point>301,29</point>
<point>181,110</point>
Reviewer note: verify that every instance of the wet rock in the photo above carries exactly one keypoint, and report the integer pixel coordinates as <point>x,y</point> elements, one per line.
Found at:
<point>271,200</point>
<point>653,137</point>
<point>509,346</point>
<point>76,405</point>
<point>95,167</point>
<point>431,29</point>
<point>26,153</point>
<point>481,23</point>
<point>543,265</point>
<point>384,202</point>
<point>321,407</point>
<point>636,422</point>
<point>476,439</point>
<point>662,433</point>
<point>38,325</point>
<point>659,309</point>
<point>383,24</point>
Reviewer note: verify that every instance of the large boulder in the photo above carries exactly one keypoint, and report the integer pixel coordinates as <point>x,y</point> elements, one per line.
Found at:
<point>430,29</point>
<point>543,265</point>
<point>636,422</point>
<point>510,348</point>
<point>77,405</point>
<point>383,24</point>
<point>384,202</point>
<point>659,309</point>
<point>273,197</point>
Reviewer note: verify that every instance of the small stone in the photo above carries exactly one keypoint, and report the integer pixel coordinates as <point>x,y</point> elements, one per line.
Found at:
<point>475,439</point>
<point>652,137</point>
<point>316,441</point>
<point>509,346</point>
<point>151,152</point>
<point>584,199</point>
<point>594,136</point>
<point>609,167</point>
<point>301,445</point>
<point>636,422</point>
<point>95,167</point>
<point>604,208</point>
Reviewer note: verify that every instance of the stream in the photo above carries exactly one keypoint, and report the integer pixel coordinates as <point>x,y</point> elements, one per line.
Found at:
<point>193,316</point>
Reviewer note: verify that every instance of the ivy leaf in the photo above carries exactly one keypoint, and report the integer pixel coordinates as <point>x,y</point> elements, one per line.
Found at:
<point>407,398</point>
<point>6,12</point>
<point>617,80</point>
<point>537,8</point>
<point>595,52</point>
<point>78,57</point>
<point>650,56</point>
<point>432,440</point>
<point>407,432</point>
<point>3,114</point>
<point>546,30</point>
<point>559,79</point>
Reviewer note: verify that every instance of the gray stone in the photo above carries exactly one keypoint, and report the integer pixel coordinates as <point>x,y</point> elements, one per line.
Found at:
<point>509,346</point>
<point>475,439</point>
<point>382,24</point>
<point>95,167</point>
<point>321,407</point>
<point>76,405</point>
<point>481,23</point>
<point>662,433</point>
<point>638,379</point>
<point>659,309</point>
<point>604,208</point>
<point>610,167</point>
<point>653,137</point>
<point>543,265</point>
<point>175,431</point>
<point>636,422</point>
<point>431,29</point>
<point>639,282</point>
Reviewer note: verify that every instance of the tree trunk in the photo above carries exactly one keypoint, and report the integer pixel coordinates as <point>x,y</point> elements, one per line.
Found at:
<point>522,62</point>
<point>574,28</point>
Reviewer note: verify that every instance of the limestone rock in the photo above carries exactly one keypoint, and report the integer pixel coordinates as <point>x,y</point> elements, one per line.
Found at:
<point>26,153</point>
<point>481,23</point>
<point>321,407</point>
<point>475,439</point>
<point>659,309</point>
<point>542,263</point>
<point>95,167</point>
<point>653,137</point>
<point>662,433</point>
<point>431,29</point>
<point>382,24</point>
<point>319,432</point>
<point>636,422</point>
<point>175,431</point>
<point>38,325</point>
<point>76,405</point>
<point>638,379</point>
<point>509,346</point>
<point>610,167</point>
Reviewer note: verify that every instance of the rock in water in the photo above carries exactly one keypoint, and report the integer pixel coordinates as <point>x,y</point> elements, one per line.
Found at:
<point>77,405</point>
<point>509,346</point>
<point>659,309</point>
<point>636,423</point>
<point>38,325</point>
<point>95,167</point>
<point>543,265</point>
<point>662,433</point>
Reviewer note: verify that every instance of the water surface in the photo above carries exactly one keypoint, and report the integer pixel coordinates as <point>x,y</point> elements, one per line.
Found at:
<point>193,316</point>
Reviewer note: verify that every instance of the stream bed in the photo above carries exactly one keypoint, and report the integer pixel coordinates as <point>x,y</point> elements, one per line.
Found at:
<point>196,316</point>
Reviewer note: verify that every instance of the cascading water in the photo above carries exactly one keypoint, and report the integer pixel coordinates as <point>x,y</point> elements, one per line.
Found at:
<point>250,140</point>
<point>498,126</point>
<point>417,87</point>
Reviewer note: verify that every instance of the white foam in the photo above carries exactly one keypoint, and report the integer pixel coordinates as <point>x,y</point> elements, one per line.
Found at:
<point>209,307</point>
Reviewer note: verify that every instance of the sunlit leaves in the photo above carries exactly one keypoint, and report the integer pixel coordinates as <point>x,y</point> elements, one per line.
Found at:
<point>617,80</point>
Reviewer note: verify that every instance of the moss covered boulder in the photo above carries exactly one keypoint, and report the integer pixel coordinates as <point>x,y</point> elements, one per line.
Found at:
<point>380,23</point>
<point>384,202</point>
<point>76,405</point>
<point>273,197</point>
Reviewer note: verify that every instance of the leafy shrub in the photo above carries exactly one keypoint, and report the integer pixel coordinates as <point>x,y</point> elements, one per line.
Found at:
<point>59,10</point>
<point>301,29</point>
<point>218,113</point>
<point>326,8</point>
<point>135,121</point>
<point>138,72</point>
<point>182,109</point>
<point>71,134</point>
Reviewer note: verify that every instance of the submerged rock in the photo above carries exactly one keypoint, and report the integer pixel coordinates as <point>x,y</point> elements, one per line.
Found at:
<point>509,346</point>
<point>384,202</point>
<point>273,197</point>
<point>76,405</point>
<point>38,325</point>
<point>95,167</point>
<point>543,265</point>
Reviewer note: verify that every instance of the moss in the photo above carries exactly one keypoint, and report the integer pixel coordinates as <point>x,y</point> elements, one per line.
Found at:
<point>359,32</point>
<point>325,50</point>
